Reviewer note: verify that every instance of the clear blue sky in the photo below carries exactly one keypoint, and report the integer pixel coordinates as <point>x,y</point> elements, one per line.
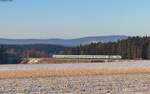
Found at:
<point>73,18</point>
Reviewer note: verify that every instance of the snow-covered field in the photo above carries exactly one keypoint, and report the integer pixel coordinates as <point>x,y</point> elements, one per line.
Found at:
<point>109,65</point>
<point>40,79</point>
<point>95,84</point>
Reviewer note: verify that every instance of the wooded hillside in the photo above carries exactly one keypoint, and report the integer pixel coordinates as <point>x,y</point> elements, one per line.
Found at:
<point>12,54</point>
<point>3,54</point>
<point>131,48</point>
<point>35,50</point>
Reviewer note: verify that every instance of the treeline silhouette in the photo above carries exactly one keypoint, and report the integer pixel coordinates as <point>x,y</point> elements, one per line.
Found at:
<point>35,50</point>
<point>3,54</point>
<point>131,48</point>
<point>12,54</point>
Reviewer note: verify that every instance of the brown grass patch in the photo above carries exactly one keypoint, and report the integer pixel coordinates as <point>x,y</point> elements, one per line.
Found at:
<point>48,73</point>
<point>61,61</point>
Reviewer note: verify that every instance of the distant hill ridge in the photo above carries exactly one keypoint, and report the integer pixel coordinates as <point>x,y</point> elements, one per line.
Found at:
<point>64,42</point>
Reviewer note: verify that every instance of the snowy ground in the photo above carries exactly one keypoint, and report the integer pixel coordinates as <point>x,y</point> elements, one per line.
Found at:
<point>96,84</point>
<point>110,65</point>
<point>138,83</point>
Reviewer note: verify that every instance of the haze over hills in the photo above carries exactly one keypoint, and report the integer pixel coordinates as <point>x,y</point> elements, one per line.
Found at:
<point>64,42</point>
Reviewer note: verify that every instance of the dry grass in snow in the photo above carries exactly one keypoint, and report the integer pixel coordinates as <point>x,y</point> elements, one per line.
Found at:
<point>69,72</point>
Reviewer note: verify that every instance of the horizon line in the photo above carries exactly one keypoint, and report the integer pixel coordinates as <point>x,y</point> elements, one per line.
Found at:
<point>63,38</point>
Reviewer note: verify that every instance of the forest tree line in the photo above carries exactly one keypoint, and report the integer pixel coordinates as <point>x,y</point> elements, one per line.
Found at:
<point>131,48</point>
<point>35,50</point>
<point>3,54</point>
<point>16,52</point>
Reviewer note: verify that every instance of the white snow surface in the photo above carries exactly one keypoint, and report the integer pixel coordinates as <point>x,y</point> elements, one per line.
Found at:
<point>105,65</point>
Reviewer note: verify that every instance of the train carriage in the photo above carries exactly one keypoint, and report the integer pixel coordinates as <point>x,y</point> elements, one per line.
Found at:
<point>87,56</point>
